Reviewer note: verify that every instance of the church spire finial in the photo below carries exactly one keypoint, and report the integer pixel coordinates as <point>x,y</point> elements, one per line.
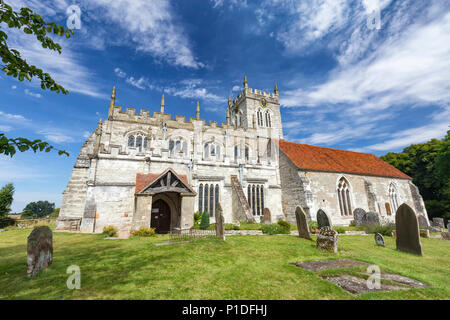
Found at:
<point>113,97</point>
<point>276,89</point>
<point>228,115</point>
<point>198,110</point>
<point>162,104</point>
<point>229,102</point>
<point>245,82</point>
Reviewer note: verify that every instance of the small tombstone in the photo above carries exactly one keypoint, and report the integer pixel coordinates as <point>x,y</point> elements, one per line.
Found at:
<point>327,239</point>
<point>379,239</point>
<point>322,219</point>
<point>407,229</point>
<point>448,227</point>
<point>302,224</point>
<point>372,218</point>
<point>220,223</point>
<point>267,216</point>
<point>39,250</point>
<point>424,233</point>
<point>423,223</point>
<point>445,236</point>
<point>359,216</point>
<point>438,222</point>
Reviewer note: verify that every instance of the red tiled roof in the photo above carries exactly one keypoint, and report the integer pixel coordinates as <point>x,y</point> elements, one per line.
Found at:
<point>143,179</point>
<point>306,156</point>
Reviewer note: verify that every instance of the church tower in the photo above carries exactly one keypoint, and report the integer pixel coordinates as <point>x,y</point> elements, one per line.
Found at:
<point>258,109</point>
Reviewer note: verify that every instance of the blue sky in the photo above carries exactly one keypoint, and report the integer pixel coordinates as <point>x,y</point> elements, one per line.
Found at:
<point>343,82</point>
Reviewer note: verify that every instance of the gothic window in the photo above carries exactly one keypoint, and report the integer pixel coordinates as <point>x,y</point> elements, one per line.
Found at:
<point>343,191</point>
<point>246,153</point>
<point>131,141</point>
<point>260,118</point>
<point>177,146</point>
<point>211,200</point>
<point>393,198</point>
<point>145,143</point>
<point>171,146</point>
<point>388,208</point>
<point>213,150</point>
<point>255,197</point>
<point>200,198</point>
<point>139,143</point>
<point>218,151</point>
<point>205,199</point>
<point>236,152</point>
<point>216,195</point>
<point>184,147</point>
<point>268,120</point>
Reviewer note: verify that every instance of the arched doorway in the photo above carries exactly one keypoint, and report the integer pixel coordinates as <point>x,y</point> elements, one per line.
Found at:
<point>160,216</point>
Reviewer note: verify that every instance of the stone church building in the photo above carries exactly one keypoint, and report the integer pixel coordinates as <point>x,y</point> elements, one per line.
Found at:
<point>138,169</point>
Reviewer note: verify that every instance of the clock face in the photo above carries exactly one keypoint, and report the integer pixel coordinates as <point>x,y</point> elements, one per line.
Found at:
<point>263,103</point>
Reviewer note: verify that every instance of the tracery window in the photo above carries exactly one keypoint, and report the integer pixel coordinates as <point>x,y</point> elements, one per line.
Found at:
<point>259,115</point>
<point>255,197</point>
<point>208,198</point>
<point>177,146</point>
<point>131,141</point>
<point>212,150</point>
<point>138,141</point>
<point>247,154</point>
<point>268,120</point>
<point>343,191</point>
<point>393,198</point>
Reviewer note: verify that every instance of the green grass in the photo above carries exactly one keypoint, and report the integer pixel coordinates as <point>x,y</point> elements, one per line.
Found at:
<point>242,267</point>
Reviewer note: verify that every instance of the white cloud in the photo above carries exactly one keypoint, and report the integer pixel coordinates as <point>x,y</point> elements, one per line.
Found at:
<point>140,83</point>
<point>11,117</point>
<point>86,134</point>
<point>21,199</point>
<point>14,87</point>
<point>5,128</point>
<point>120,73</point>
<point>32,94</point>
<point>236,88</point>
<point>190,90</point>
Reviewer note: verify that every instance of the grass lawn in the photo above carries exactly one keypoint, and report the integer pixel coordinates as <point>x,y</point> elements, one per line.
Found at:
<point>242,267</point>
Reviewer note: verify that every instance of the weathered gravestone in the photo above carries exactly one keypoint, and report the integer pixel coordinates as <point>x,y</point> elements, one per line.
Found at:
<point>407,230</point>
<point>423,223</point>
<point>302,224</point>
<point>322,219</point>
<point>379,239</point>
<point>327,239</point>
<point>424,233</point>
<point>220,223</point>
<point>445,236</point>
<point>359,216</point>
<point>39,250</point>
<point>438,222</point>
<point>372,218</point>
<point>267,216</point>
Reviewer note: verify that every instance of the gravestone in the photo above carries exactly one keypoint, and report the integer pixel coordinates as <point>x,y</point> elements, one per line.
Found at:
<point>379,239</point>
<point>39,250</point>
<point>302,224</point>
<point>423,223</point>
<point>407,229</point>
<point>327,239</point>
<point>220,223</point>
<point>359,215</point>
<point>372,218</point>
<point>438,222</point>
<point>322,219</point>
<point>445,236</point>
<point>267,216</point>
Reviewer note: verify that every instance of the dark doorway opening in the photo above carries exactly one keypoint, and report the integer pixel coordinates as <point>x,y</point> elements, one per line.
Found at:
<point>160,217</point>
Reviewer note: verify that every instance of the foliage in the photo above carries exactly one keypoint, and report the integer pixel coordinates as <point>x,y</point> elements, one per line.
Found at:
<point>204,223</point>
<point>6,222</point>
<point>274,228</point>
<point>6,199</point>
<point>429,166</point>
<point>340,230</point>
<point>144,232</point>
<point>197,218</point>
<point>110,231</point>
<point>39,209</point>
<point>232,226</point>
<point>55,213</point>
<point>385,230</point>
<point>352,223</point>
<point>313,225</point>
<point>284,224</point>
<point>14,65</point>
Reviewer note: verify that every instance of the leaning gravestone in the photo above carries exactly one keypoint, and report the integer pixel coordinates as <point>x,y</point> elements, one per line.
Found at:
<point>379,239</point>
<point>327,239</point>
<point>322,219</point>
<point>267,216</point>
<point>359,215</point>
<point>372,218</point>
<point>438,222</point>
<point>407,230</point>
<point>220,223</point>
<point>302,224</point>
<point>423,223</point>
<point>39,250</point>
<point>445,236</point>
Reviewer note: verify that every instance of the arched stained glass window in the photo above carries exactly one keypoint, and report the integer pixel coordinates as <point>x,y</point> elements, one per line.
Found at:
<point>343,191</point>
<point>211,200</point>
<point>216,196</point>
<point>139,143</point>
<point>200,198</point>
<point>171,146</point>
<point>131,141</point>
<point>145,143</point>
<point>205,199</point>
